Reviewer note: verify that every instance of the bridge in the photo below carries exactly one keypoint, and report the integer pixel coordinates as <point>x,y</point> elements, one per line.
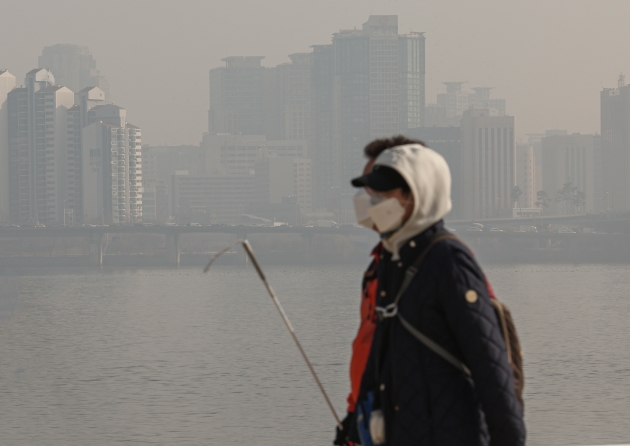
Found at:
<point>611,220</point>
<point>612,224</point>
<point>95,234</point>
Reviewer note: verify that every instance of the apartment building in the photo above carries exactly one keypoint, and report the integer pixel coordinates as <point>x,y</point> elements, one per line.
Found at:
<point>7,83</point>
<point>38,149</point>
<point>488,152</point>
<point>112,168</point>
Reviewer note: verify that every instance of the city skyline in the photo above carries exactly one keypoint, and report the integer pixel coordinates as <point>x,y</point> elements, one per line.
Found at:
<point>508,56</point>
<point>369,82</point>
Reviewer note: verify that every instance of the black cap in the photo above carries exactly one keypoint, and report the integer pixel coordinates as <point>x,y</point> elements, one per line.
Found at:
<point>381,179</point>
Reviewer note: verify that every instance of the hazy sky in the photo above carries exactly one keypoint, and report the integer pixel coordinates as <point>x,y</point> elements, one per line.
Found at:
<point>548,58</point>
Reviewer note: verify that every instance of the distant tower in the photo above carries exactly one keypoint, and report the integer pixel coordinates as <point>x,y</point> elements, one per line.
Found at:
<point>38,130</point>
<point>488,152</point>
<point>7,83</point>
<point>369,83</point>
<point>615,149</point>
<point>86,99</point>
<point>74,67</point>
<point>622,81</point>
<point>236,97</point>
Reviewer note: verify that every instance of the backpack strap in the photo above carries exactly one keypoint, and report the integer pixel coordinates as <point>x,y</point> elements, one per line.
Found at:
<point>391,310</point>
<point>436,348</point>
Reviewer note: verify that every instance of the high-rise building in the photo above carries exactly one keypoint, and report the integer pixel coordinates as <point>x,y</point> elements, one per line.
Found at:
<point>525,176</point>
<point>571,159</point>
<point>615,146</point>
<point>325,154</point>
<point>87,99</point>
<point>7,83</point>
<point>368,83</point>
<point>411,60</point>
<point>38,149</point>
<point>296,109</point>
<point>237,97</point>
<point>74,67</point>
<point>112,168</point>
<point>488,152</point>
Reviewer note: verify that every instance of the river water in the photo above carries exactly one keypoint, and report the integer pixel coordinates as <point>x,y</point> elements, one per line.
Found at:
<point>160,356</point>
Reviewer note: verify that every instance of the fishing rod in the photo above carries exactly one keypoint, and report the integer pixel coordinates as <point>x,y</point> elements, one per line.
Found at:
<point>250,253</point>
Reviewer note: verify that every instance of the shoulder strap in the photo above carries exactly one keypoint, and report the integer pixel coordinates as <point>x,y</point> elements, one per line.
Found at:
<point>436,348</point>
<point>413,269</point>
<point>392,309</point>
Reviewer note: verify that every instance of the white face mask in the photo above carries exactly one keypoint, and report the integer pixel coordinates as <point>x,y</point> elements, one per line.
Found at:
<point>386,213</point>
<point>362,202</point>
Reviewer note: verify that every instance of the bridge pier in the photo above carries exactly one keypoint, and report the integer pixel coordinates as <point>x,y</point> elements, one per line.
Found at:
<point>95,242</point>
<point>172,249</point>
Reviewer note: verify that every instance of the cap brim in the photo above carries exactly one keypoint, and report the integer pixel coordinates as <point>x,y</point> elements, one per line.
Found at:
<point>359,181</point>
<point>375,180</point>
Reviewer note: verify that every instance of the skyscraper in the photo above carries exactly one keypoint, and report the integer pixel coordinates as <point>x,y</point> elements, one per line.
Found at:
<point>112,168</point>
<point>237,97</point>
<point>74,67</point>
<point>525,175</point>
<point>488,152</point>
<point>615,139</point>
<point>37,149</point>
<point>87,99</point>
<point>368,83</point>
<point>7,83</point>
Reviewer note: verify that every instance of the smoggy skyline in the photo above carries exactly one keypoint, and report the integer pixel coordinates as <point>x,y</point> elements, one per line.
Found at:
<point>549,60</point>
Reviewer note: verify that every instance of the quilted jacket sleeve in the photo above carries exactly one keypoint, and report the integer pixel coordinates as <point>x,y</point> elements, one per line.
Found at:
<point>471,317</point>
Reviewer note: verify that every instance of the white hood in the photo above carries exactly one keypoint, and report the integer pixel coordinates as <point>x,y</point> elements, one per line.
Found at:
<point>429,179</point>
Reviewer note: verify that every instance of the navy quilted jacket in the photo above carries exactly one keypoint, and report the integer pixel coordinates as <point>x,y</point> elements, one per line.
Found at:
<point>426,400</point>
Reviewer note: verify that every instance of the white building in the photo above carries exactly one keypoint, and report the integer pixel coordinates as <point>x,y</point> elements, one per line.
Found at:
<point>38,149</point>
<point>7,83</point>
<point>112,168</point>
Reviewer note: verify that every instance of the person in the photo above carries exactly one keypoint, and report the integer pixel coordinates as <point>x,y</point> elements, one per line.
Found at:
<point>424,399</point>
<point>363,340</point>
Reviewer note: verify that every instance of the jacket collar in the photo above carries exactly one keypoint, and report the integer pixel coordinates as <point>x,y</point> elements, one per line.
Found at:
<point>414,246</point>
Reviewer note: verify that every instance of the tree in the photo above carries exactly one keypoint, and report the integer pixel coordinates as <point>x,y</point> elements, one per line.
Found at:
<point>515,195</point>
<point>542,200</point>
<point>579,200</point>
<point>573,199</point>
